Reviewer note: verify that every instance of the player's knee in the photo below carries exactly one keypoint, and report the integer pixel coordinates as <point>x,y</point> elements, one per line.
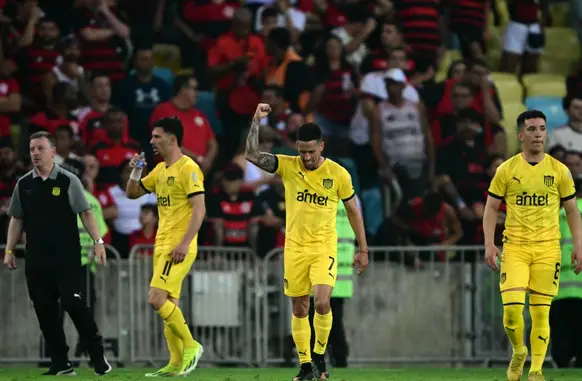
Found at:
<point>300,306</point>
<point>322,306</point>
<point>156,299</point>
<point>513,304</point>
<point>539,307</point>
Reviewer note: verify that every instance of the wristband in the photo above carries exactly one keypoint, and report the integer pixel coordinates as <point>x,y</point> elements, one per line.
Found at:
<point>136,174</point>
<point>8,251</point>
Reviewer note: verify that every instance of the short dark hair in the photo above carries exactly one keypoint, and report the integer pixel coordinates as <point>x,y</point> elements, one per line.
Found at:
<point>269,12</point>
<point>97,74</point>
<point>66,128</point>
<point>113,110</point>
<point>280,37</point>
<point>529,114</point>
<point>173,126</point>
<point>43,134</point>
<point>150,208</point>
<point>567,100</point>
<point>180,81</point>
<point>308,132</point>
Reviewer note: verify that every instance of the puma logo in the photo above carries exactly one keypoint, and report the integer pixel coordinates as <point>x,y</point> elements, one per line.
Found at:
<point>164,279</point>
<point>302,175</point>
<point>516,179</point>
<point>304,353</point>
<point>545,340</point>
<point>509,329</point>
<point>320,343</point>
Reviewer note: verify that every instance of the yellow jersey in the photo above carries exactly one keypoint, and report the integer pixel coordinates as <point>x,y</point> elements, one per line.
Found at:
<point>533,194</point>
<point>311,201</point>
<point>174,186</point>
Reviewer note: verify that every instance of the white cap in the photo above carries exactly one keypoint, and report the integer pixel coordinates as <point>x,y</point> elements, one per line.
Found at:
<point>395,75</point>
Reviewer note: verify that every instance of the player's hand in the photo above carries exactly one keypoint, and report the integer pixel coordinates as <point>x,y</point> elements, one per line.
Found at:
<point>135,159</point>
<point>179,253</point>
<point>10,261</point>
<point>577,260</point>
<point>263,109</point>
<point>491,255</point>
<point>360,262</point>
<point>100,254</point>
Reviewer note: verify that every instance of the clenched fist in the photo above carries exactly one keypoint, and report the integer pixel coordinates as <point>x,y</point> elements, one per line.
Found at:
<point>263,109</point>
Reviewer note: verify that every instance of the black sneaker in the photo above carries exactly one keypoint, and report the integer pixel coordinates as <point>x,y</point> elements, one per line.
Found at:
<point>319,366</point>
<point>305,373</point>
<point>60,370</point>
<point>102,367</point>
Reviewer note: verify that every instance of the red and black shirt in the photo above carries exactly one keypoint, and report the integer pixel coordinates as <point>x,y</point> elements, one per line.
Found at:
<point>338,102</point>
<point>420,25</point>
<point>111,155</point>
<point>235,213</point>
<point>49,121</point>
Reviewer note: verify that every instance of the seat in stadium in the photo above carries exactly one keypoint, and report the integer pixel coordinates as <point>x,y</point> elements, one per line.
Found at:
<point>529,79</point>
<point>562,42</point>
<point>561,14</point>
<point>508,87</point>
<point>552,107</point>
<point>166,74</point>
<point>546,89</point>
<point>207,105</point>
<point>550,64</point>
<point>167,55</point>
<point>509,123</point>
<point>447,60</point>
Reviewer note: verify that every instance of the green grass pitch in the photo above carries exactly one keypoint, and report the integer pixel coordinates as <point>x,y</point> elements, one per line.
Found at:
<point>275,374</point>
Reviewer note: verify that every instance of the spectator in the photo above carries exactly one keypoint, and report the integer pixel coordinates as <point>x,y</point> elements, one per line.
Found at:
<point>557,152</point>
<point>64,145</point>
<point>354,33</point>
<point>10,99</point>
<point>288,71</point>
<point>199,141</point>
<point>148,218</point>
<point>279,116</point>
<point>574,82</point>
<point>230,210</point>
<point>103,36</point>
<point>573,160</point>
<point>270,210</point>
<point>268,20</point>
<point>523,41</point>
<point>40,57</point>
<point>236,63</point>
<point>334,99</point>
<point>90,176</point>
<point>91,117</point>
<point>330,14</point>
<point>67,71</point>
<point>209,19</point>
<point>569,136</point>
<point>23,27</point>
<point>10,172</point>
<point>140,94</point>
<point>401,139</point>
<point>59,113</point>
<point>379,59</point>
<point>127,212</point>
<point>113,149</point>
<point>286,17</point>
<point>457,70</point>
<point>460,166</point>
<point>467,21</point>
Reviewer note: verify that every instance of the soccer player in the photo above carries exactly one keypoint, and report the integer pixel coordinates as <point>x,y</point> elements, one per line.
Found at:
<point>533,185</point>
<point>314,186</point>
<point>178,185</point>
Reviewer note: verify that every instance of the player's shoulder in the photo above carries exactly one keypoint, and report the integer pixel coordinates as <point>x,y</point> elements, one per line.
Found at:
<point>555,164</point>
<point>509,165</point>
<point>189,164</point>
<point>158,167</point>
<point>287,160</point>
<point>336,168</point>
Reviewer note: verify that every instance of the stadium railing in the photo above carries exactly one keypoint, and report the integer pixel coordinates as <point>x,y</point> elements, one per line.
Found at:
<point>20,333</point>
<point>414,305</point>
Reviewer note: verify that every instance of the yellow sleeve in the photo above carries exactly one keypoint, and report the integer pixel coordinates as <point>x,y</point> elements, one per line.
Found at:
<point>498,186</point>
<point>566,187</point>
<point>345,187</point>
<point>283,164</point>
<point>192,179</point>
<point>148,182</point>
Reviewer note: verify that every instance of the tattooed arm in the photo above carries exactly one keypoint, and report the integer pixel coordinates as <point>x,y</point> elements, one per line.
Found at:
<point>264,160</point>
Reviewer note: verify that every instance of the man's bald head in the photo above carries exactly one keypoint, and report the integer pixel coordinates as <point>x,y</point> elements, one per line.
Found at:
<point>241,22</point>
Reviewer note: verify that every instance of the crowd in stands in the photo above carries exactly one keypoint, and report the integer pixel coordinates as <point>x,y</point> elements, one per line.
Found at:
<point>416,98</point>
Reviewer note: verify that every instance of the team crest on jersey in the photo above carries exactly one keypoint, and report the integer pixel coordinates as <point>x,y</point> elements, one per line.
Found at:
<point>549,180</point>
<point>170,181</point>
<point>328,183</point>
<point>56,191</point>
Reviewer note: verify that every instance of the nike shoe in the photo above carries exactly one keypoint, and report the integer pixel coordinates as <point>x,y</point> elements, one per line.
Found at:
<point>306,373</point>
<point>167,371</point>
<point>60,370</point>
<point>191,358</point>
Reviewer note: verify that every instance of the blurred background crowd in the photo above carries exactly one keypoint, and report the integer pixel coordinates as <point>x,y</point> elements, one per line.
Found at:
<point>416,98</point>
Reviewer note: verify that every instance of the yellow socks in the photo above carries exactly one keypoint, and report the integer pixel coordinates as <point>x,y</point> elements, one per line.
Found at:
<point>513,303</point>
<point>301,332</point>
<point>539,309</point>
<point>322,326</point>
<point>175,346</point>
<point>174,318</point>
